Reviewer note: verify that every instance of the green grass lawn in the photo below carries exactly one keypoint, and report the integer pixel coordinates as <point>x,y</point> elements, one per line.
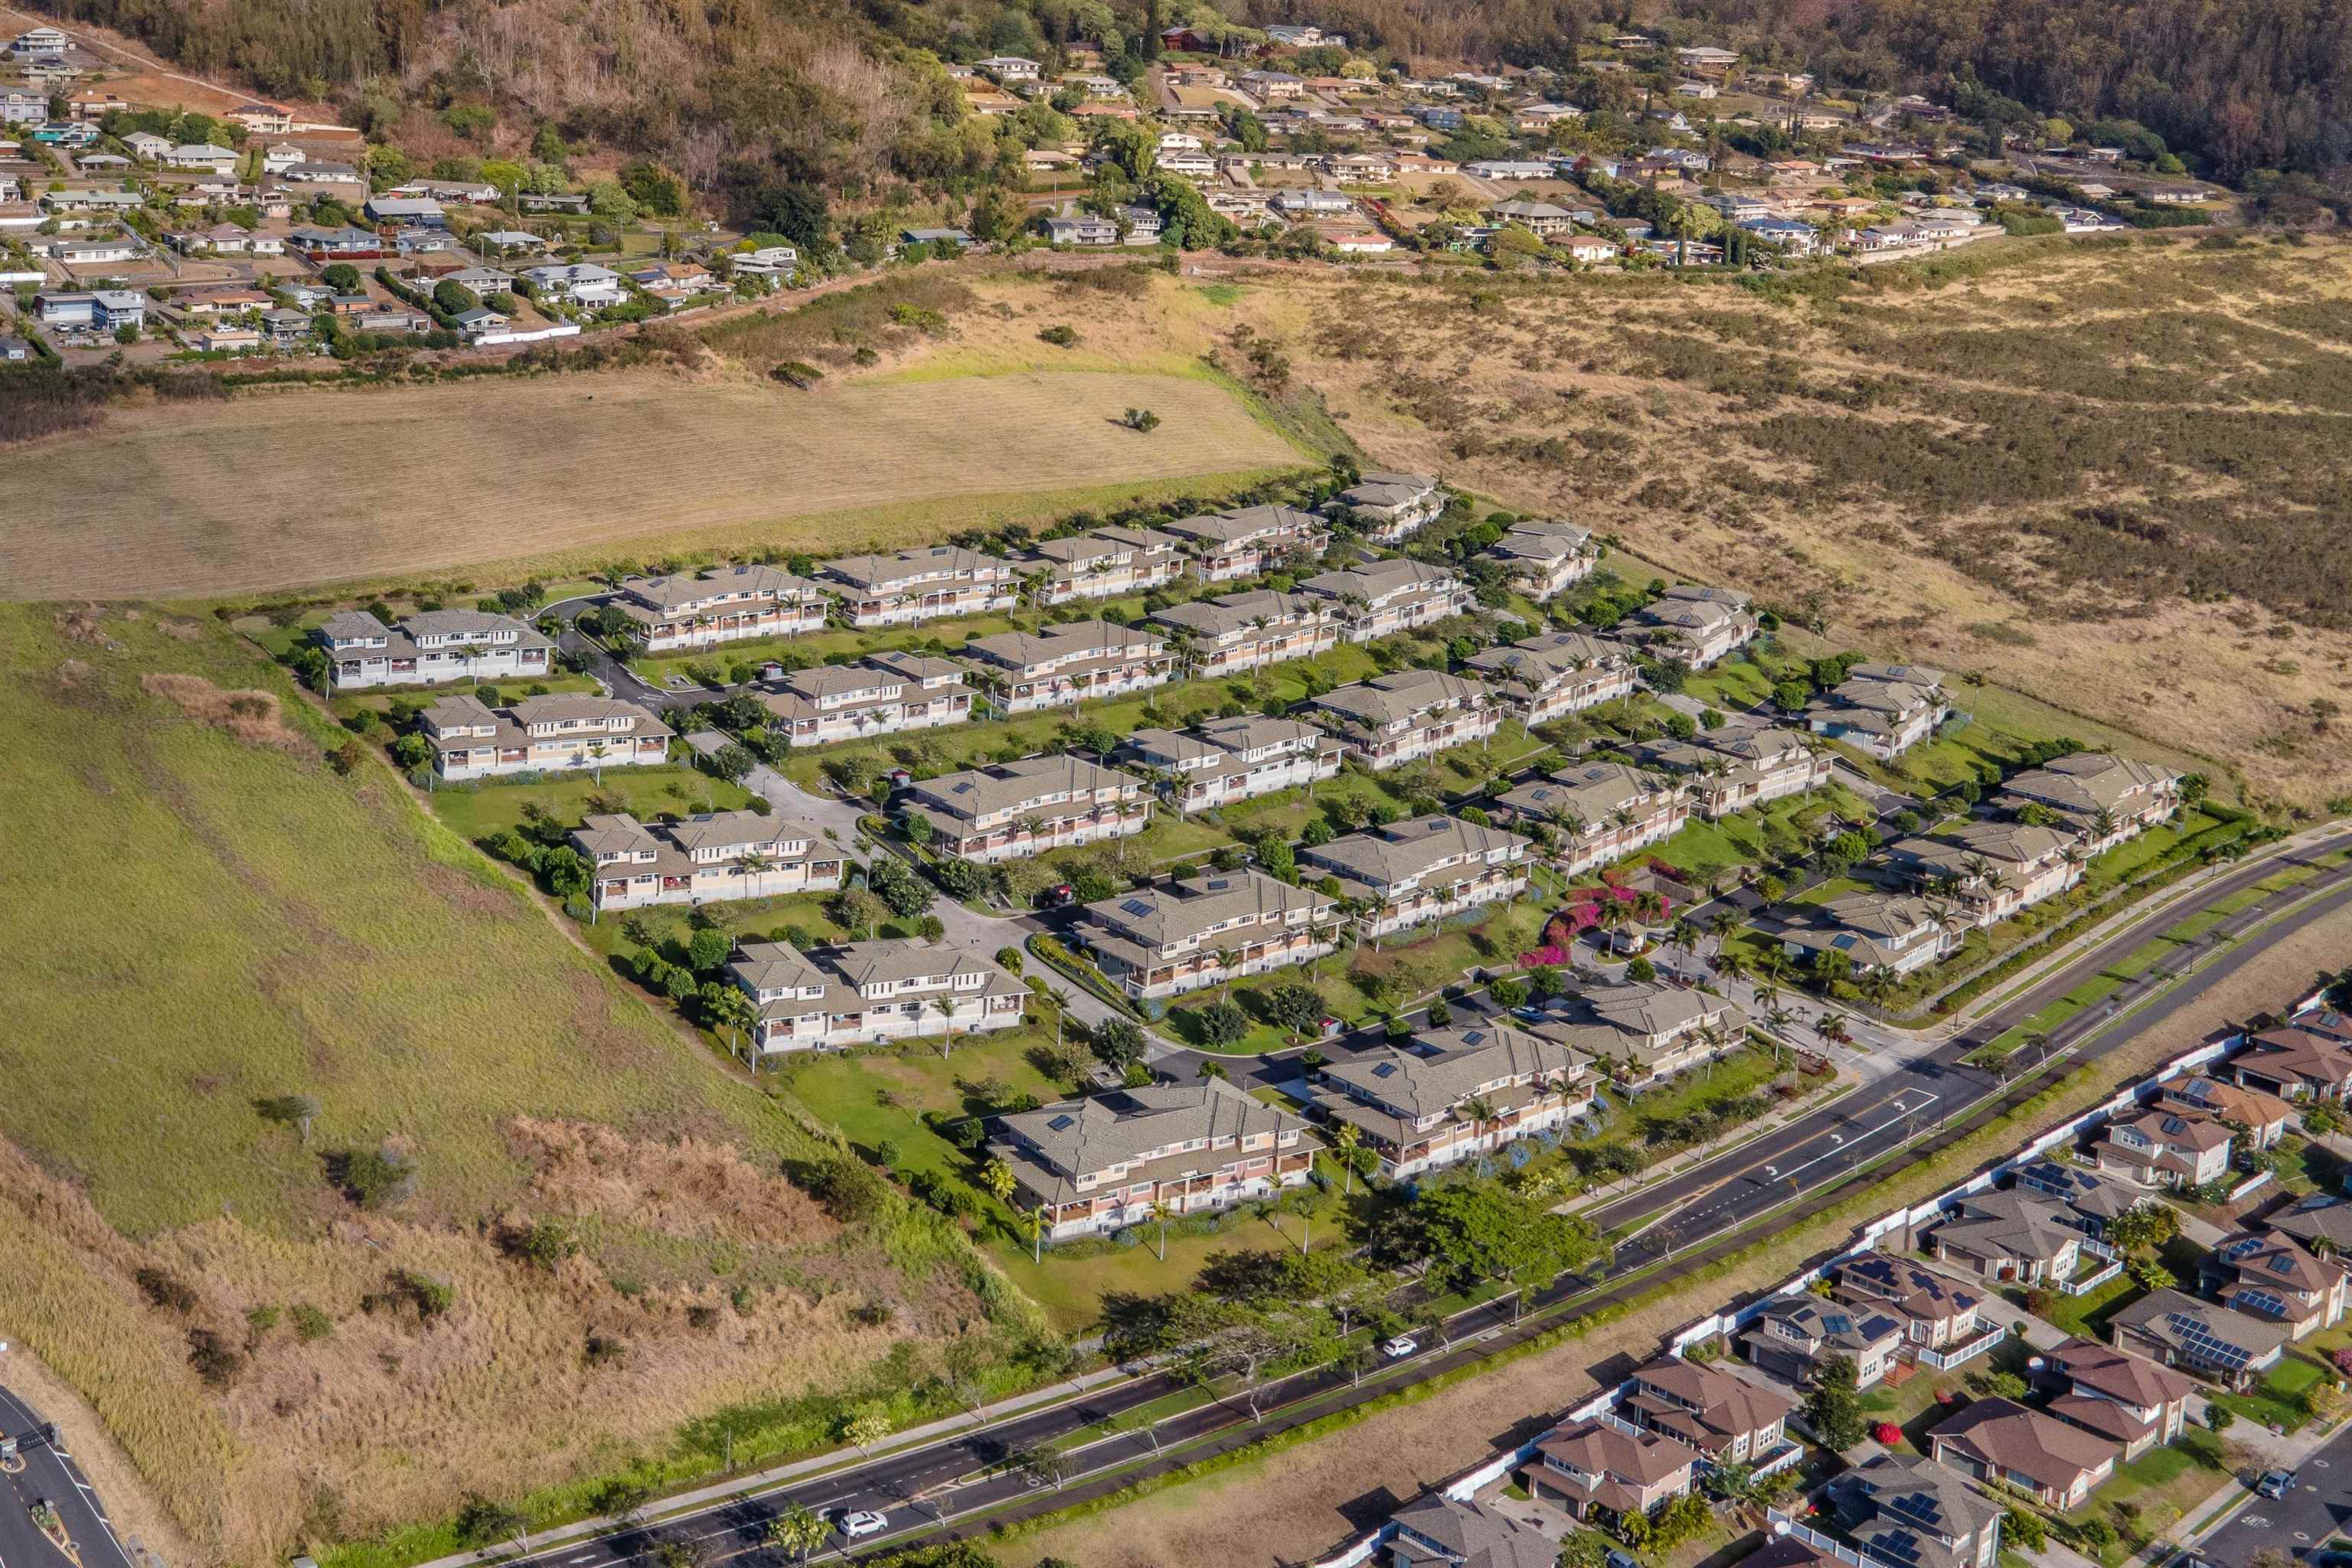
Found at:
<point>2277,1400</point>
<point>2088,1314</point>
<point>2149,1495</point>
<point>476,811</point>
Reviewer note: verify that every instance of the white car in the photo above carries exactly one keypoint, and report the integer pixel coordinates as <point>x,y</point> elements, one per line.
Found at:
<point>1400,1347</point>
<point>863,1523</point>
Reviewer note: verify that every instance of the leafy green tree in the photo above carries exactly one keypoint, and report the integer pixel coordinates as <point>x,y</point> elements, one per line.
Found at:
<point>1833,1409</point>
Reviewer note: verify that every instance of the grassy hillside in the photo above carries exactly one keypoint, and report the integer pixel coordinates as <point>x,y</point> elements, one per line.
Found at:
<point>209,918</point>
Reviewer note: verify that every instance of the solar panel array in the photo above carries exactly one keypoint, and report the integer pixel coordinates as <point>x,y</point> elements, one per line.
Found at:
<point>2199,1342</point>
<point>2261,1302</point>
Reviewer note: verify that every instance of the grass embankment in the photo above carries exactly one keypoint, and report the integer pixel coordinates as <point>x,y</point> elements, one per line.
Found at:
<point>246,925</point>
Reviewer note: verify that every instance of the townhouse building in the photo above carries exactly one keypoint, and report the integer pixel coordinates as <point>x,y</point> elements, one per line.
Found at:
<point>1220,760</point>
<point>911,586</point>
<point>1882,708</point>
<point>2009,1237</point>
<point>1640,1033</point>
<point>1727,1419</point>
<point>1104,563</point>
<point>2000,1440</point>
<point>1379,598</point>
<point>2106,797</point>
<point>1694,625</point>
<point>1734,768</point>
<point>1989,871</point>
<point>1240,632</point>
<point>721,604</point>
<point>1243,542</point>
<point>1794,1336</point>
<point>1062,666</point>
<point>431,648</point>
<point>2127,1399</point>
<point>1110,1161</point>
<point>1901,1509</point>
<point>2234,1348</point>
<point>1553,674</point>
<point>1894,932</point>
<point>541,734</point>
<point>869,993</point>
<point>1453,1093</point>
<point>1009,811</point>
<point>1606,1469</point>
<point>1599,813</point>
<point>2160,1148</point>
<point>1423,869</point>
<point>1166,939</point>
<point>881,694</point>
<point>710,857</point>
<point>1544,560</point>
<point>1404,716</point>
<point>2276,1276</point>
<point>1389,507</point>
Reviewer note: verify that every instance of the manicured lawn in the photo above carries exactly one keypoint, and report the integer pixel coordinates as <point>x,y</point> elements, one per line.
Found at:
<point>1289,811</point>
<point>1071,1289</point>
<point>878,1096</point>
<point>2149,1495</point>
<point>2277,1400</point>
<point>478,811</point>
<point>2087,1315</point>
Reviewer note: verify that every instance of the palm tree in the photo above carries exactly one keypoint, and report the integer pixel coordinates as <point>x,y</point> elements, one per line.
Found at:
<point>1720,925</point>
<point>946,1005</point>
<point>1732,966</point>
<point>1061,1000</point>
<point>1683,936</point>
<point>798,1532</point>
<point>1347,1140</point>
<point>1160,1212</point>
<point>1477,1110</point>
<point>596,753</point>
<point>753,865</point>
<point>1229,960</point>
<point>2103,824</point>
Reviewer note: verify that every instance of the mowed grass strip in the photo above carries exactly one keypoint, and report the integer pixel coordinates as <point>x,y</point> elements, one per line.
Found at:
<point>270,493</point>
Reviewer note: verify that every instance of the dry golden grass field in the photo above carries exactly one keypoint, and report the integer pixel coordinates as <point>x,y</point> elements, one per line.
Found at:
<point>2105,474</point>
<point>294,488</point>
<point>207,919</point>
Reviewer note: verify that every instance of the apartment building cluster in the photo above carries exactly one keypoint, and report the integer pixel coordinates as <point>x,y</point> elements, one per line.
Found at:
<point>705,858</point>
<point>870,993</point>
<point>471,740</point>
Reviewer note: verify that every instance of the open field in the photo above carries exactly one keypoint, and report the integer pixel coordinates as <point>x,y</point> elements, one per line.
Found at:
<point>1305,1500</point>
<point>292,490</point>
<point>244,924</point>
<point>2096,473</point>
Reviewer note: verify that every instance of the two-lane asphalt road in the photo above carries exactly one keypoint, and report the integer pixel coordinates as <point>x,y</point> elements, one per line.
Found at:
<point>49,1475</point>
<point>2318,1511</point>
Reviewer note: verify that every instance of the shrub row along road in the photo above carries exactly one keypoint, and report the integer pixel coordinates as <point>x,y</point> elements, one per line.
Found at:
<point>961,1484</point>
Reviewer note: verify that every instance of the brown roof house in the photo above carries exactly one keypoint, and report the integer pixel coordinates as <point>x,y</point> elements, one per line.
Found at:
<point>2146,1403</point>
<point>2294,1064</point>
<point>2323,1225</point>
<point>2263,1116</point>
<point>1440,1531</point>
<point>1608,1468</point>
<point>2009,1237</point>
<point>1795,1335</point>
<point>2277,1277</point>
<point>2234,1349</point>
<point>2001,1440</point>
<point>2162,1148</point>
<point>1939,1316</point>
<point>1723,1415</point>
<point>1917,1513</point>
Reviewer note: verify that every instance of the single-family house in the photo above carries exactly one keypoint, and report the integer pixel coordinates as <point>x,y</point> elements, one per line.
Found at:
<point>2294,1064</point>
<point>2275,1276</point>
<point>1904,1509</point>
<point>2006,1238</point>
<point>2234,1348</point>
<point>2160,1147</point>
<point>1728,1418</point>
<point>2127,1399</point>
<point>2264,1117</point>
<point>1938,1312</point>
<point>1794,1337</point>
<point>2000,1440</point>
<point>580,283</point>
<point>1436,1531</point>
<point>202,155</point>
<point>1603,1470</point>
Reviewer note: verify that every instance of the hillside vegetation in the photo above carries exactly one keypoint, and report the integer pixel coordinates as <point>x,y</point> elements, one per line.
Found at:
<point>2097,473</point>
<point>338,1182</point>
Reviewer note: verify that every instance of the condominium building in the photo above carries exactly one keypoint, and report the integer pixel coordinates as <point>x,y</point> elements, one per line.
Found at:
<point>1544,560</point>
<point>2105,797</point>
<point>1222,760</point>
<point>1736,767</point>
<point>1882,708</point>
<point>1392,720</point>
<point>707,858</point>
<point>1554,674</point>
<point>541,734</point>
<point>1599,812</point>
<point>1389,507</point>
<point>1423,869</point>
<point>1990,869</point>
<point>914,585</point>
<point>1104,563</point>
<point>1063,665</point>
<point>1451,1094</point>
<point>1692,625</point>
<point>725,603</point>
<point>1164,941</point>
<point>866,993</point>
<point>1640,1033</point>
<point>1113,1160</point>
<point>431,648</point>
<point>1246,540</point>
<point>879,695</point>
<point>1241,631</point>
<point>1009,811</point>
<point>1378,598</point>
<point>1894,932</point>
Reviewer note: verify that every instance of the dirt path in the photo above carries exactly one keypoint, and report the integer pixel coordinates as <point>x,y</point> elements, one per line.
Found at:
<point>1308,1499</point>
